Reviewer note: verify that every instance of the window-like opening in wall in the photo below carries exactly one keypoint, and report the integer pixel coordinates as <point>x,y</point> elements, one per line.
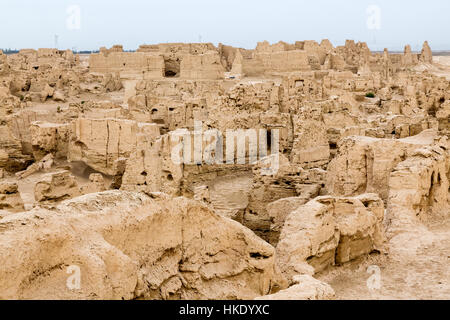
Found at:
<point>170,74</point>
<point>299,83</point>
<point>269,141</point>
<point>432,110</point>
<point>171,68</point>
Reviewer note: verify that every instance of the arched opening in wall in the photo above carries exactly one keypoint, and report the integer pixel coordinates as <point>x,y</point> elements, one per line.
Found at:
<point>171,68</point>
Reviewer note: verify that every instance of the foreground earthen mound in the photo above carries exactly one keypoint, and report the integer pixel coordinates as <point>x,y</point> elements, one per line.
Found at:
<point>115,239</point>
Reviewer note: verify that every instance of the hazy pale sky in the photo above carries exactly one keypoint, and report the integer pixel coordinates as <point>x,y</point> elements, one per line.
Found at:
<point>381,23</point>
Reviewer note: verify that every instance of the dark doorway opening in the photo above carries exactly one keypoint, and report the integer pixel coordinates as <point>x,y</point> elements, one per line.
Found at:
<point>171,68</point>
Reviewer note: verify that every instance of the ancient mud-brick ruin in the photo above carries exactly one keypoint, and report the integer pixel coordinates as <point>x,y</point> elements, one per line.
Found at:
<point>88,178</point>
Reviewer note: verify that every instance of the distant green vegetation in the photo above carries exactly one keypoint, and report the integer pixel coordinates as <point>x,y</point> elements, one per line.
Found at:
<point>370,95</point>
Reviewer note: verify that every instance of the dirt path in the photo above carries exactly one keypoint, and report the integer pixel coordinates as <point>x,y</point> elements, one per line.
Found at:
<point>441,67</point>
<point>417,267</point>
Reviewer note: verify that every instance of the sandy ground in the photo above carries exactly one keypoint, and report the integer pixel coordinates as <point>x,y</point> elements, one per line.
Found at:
<point>80,171</point>
<point>441,66</point>
<point>443,60</point>
<point>417,267</point>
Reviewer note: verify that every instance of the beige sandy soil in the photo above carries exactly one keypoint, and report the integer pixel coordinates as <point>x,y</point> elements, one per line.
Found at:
<point>441,66</point>
<point>416,267</point>
<point>80,171</point>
